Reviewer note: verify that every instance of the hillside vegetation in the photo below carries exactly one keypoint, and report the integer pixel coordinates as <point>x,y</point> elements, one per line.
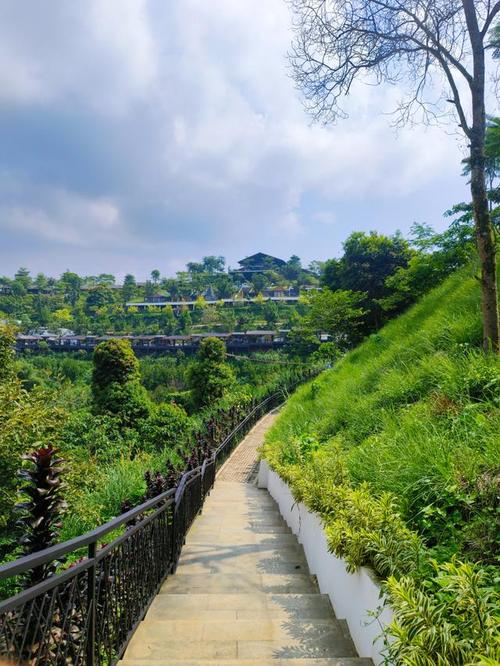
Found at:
<point>398,449</point>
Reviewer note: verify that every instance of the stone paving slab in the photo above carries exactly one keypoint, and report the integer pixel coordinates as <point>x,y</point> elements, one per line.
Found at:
<point>333,661</point>
<point>239,582</point>
<point>305,607</point>
<point>258,628</point>
<point>242,466</point>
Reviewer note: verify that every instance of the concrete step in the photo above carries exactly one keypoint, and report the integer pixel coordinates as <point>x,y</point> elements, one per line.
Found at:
<point>259,628</point>
<point>228,510</point>
<point>239,521</point>
<point>241,559</point>
<point>205,549</point>
<point>229,607</point>
<point>271,539</point>
<point>233,530</point>
<point>234,583</point>
<point>245,639</point>
<point>332,661</point>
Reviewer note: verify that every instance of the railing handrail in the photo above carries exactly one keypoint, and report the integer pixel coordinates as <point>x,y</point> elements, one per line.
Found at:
<point>58,550</point>
<point>101,573</point>
<point>240,425</point>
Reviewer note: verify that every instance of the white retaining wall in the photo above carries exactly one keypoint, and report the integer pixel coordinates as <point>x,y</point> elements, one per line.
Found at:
<point>353,596</point>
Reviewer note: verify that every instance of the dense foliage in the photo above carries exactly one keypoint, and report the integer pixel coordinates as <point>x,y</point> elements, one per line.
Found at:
<point>397,448</point>
<point>98,305</point>
<point>115,439</point>
<point>116,386</point>
<point>210,376</point>
<point>28,419</point>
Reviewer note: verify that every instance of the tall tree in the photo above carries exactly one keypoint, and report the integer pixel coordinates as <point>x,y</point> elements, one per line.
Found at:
<point>293,268</point>
<point>212,264</point>
<point>338,313</point>
<point>71,284</point>
<point>367,262</point>
<point>210,377</point>
<point>129,288</point>
<point>339,41</point>
<point>116,382</point>
<point>23,277</point>
<point>155,276</point>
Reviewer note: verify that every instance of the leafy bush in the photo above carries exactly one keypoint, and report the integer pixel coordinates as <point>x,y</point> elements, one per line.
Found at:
<point>98,437</point>
<point>116,386</point>
<point>210,377</point>
<point>168,427</point>
<point>28,420</point>
<point>454,620</point>
<point>97,493</point>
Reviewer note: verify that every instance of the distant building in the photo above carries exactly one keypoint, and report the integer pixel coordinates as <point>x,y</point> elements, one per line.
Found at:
<point>280,291</point>
<point>158,297</point>
<point>209,294</point>
<point>259,263</point>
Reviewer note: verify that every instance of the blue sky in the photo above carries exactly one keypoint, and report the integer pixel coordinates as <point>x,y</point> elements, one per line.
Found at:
<point>144,134</point>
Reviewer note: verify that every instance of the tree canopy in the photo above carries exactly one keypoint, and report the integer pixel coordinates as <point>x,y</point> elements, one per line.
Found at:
<point>435,50</point>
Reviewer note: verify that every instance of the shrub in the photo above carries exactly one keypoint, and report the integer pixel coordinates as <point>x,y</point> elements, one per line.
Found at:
<point>27,420</point>
<point>116,387</point>
<point>100,438</point>
<point>168,427</point>
<point>454,620</point>
<point>210,377</point>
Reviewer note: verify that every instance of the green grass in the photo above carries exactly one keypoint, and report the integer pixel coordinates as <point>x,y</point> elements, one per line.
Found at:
<point>415,409</point>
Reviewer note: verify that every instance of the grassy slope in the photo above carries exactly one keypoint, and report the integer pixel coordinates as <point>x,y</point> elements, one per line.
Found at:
<point>415,409</point>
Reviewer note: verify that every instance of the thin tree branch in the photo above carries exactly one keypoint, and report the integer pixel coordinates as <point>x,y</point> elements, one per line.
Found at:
<point>489,19</point>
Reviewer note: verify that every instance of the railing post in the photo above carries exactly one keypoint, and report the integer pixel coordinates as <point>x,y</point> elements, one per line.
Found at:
<point>91,605</point>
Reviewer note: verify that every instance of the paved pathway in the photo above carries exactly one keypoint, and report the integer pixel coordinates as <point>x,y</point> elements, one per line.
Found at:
<point>243,464</point>
<point>242,594</point>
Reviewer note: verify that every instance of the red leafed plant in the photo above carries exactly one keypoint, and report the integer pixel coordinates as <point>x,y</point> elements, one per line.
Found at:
<point>41,514</point>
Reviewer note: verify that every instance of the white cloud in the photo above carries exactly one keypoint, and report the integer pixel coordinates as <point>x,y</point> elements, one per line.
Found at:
<point>193,138</point>
<point>51,214</point>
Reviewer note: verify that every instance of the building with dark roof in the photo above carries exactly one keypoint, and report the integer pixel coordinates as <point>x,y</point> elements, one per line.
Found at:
<point>259,263</point>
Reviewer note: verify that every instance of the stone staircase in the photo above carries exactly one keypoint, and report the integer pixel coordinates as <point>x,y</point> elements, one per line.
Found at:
<point>242,593</point>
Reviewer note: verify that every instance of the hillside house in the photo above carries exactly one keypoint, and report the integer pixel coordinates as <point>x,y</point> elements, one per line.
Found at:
<point>258,263</point>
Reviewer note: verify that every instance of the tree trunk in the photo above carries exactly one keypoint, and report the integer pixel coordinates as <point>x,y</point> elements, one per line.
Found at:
<point>484,228</point>
<point>485,245</point>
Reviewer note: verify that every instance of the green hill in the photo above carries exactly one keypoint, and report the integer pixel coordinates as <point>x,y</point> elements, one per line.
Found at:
<point>398,449</point>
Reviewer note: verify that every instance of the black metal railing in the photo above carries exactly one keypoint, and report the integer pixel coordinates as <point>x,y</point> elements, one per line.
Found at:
<point>86,613</point>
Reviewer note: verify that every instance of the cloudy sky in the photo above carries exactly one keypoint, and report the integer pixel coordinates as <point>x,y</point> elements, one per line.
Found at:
<point>141,134</point>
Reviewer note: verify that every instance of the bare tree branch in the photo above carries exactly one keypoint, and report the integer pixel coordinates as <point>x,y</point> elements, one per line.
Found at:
<point>490,18</point>
<point>406,42</point>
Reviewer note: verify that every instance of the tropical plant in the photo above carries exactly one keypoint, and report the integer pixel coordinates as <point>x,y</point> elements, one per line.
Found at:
<point>40,515</point>
<point>453,621</point>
